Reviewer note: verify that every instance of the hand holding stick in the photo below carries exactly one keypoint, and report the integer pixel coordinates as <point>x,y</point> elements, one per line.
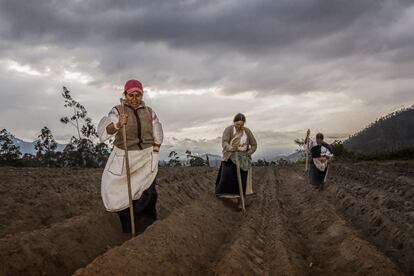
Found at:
<point>122,119</point>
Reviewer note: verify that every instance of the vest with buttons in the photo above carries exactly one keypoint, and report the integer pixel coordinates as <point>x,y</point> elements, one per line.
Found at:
<point>139,128</point>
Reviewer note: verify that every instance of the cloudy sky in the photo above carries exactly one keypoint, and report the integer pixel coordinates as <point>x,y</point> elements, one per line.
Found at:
<point>332,66</point>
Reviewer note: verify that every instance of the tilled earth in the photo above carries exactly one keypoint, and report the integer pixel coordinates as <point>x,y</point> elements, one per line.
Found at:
<point>53,223</point>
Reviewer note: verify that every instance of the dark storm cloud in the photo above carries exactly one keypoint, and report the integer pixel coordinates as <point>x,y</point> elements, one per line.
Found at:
<point>288,64</point>
<point>228,44</point>
<point>236,25</point>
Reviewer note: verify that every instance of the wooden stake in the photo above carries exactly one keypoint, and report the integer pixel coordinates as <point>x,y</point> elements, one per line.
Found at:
<point>307,153</point>
<point>131,207</point>
<point>326,175</point>
<point>307,156</point>
<point>239,180</point>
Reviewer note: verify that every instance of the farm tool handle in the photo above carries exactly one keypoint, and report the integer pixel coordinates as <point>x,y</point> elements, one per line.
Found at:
<point>239,180</point>
<point>326,174</point>
<point>307,154</point>
<point>131,207</point>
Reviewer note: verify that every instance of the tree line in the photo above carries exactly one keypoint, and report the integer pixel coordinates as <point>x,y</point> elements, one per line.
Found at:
<point>191,160</point>
<point>83,149</point>
<point>389,134</point>
<point>390,137</point>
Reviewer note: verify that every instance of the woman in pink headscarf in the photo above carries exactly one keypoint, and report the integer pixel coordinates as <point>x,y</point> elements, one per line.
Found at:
<point>144,138</point>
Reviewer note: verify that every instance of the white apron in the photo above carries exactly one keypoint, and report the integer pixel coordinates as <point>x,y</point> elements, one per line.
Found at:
<point>244,147</point>
<point>319,164</point>
<point>114,187</point>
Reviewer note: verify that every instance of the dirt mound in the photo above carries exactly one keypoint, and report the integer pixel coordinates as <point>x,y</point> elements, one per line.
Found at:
<point>53,220</point>
<point>362,223</point>
<point>60,248</point>
<point>186,242</point>
<point>379,202</point>
<point>35,197</point>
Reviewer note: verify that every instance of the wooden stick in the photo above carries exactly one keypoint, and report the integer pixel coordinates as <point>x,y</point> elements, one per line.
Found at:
<point>239,180</point>
<point>326,175</point>
<point>131,207</point>
<point>307,155</point>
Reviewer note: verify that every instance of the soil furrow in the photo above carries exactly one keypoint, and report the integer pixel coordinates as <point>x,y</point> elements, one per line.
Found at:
<point>361,224</point>
<point>385,219</point>
<point>244,255</point>
<point>183,244</point>
<point>64,246</point>
<point>334,247</point>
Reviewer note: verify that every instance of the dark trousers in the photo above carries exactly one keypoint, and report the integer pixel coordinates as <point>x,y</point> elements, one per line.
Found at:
<point>145,212</point>
<point>317,177</point>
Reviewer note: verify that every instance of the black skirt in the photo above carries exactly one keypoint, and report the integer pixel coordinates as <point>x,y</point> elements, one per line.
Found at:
<point>226,183</point>
<point>316,176</point>
<point>145,211</point>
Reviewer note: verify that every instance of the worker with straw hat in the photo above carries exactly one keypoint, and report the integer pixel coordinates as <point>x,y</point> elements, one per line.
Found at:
<point>133,160</point>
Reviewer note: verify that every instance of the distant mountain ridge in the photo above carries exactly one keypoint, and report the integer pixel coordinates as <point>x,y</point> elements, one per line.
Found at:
<point>29,147</point>
<point>389,133</point>
<point>293,157</point>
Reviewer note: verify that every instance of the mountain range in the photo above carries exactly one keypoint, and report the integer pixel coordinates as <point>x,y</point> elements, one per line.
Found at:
<point>29,147</point>
<point>390,132</point>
